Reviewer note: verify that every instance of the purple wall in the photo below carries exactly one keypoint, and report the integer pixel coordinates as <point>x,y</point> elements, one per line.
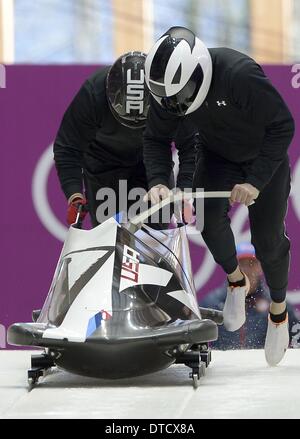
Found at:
<point>31,107</point>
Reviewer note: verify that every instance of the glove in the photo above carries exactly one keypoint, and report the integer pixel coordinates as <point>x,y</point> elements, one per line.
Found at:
<point>184,212</point>
<point>188,212</point>
<point>244,193</point>
<point>75,202</point>
<point>157,194</point>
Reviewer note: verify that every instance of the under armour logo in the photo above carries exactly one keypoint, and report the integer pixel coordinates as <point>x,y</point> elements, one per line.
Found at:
<point>220,103</point>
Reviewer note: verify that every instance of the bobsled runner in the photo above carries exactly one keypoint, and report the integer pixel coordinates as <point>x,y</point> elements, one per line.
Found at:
<point>122,304</point>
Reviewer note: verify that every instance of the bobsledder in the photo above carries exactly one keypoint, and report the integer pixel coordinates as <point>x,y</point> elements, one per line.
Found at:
<point>122,304</point>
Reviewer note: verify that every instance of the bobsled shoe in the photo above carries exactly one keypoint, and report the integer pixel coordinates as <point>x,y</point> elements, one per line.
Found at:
<point>234,312</point>
<point>277,341</point>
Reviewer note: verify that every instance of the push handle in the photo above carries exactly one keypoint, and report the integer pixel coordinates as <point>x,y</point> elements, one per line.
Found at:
<point>174,198</point>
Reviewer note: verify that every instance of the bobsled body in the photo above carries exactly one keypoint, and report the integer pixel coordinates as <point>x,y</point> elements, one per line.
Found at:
<point>120,304</point>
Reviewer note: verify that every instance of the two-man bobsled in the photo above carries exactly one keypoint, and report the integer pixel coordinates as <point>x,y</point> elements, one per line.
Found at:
<point>122,303</point>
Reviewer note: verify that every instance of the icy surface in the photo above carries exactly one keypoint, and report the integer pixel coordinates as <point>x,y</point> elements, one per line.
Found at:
<point>238,384</point>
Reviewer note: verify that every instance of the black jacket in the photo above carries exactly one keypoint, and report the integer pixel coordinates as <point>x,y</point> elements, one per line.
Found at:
<point>244,120</point>
<point>91,139</point>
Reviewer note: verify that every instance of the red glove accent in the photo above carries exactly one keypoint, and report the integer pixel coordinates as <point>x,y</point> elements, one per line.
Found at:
<point>73,210</point>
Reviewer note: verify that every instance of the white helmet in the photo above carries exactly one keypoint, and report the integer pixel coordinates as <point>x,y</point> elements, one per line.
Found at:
<point>178,71</point>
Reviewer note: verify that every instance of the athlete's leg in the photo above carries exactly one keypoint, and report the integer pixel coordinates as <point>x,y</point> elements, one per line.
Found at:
<point>267,219</point>
<point>215,174</point>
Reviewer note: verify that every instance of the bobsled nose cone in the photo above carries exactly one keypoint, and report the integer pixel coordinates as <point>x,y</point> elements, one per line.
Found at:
<point>25,334</point>
<point>17,335</point>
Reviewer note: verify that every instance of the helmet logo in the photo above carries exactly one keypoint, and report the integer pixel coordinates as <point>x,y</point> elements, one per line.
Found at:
<point>183,62</point>
<point>135,92</point>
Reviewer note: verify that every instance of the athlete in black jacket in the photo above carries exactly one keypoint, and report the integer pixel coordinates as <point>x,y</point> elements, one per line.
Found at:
<point>245,130</point>
<point>99,142</point>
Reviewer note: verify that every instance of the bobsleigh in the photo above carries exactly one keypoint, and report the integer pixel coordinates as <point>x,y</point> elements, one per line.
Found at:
<point>122,304</point>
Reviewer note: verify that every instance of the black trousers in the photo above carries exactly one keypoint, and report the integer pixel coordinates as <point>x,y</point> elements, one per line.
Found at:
<point>267,219</point>
<point>134,176</point>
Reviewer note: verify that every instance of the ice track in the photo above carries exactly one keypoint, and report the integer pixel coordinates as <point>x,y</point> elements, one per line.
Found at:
<point>238,384</point>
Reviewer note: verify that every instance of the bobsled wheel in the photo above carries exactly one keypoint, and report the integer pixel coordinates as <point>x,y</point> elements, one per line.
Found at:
<point>203,369</point>
<point>205,354</point>
<point>197,374</point>
<point>33,377</point>
<point>31,384</point>
<point>196,380</point>
<point>40,365</point>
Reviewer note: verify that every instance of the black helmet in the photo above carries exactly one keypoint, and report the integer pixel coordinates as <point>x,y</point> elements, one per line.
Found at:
<point>127,93</point>
<point>178,71</point>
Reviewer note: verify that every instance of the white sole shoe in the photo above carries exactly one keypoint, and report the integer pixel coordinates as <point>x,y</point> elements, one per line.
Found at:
<point>277,341</point>
<point>234,312</point>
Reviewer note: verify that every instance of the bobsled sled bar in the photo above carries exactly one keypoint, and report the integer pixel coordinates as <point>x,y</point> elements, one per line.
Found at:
<point>140,219</point>
<point>194,332</point>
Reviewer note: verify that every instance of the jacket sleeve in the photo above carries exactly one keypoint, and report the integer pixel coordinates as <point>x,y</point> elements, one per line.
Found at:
<point>77,129</point>
<point>254,94</point>
<point>186,143</point>
<point>162,129</point>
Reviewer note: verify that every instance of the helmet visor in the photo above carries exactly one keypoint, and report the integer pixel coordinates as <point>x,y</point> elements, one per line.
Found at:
<point>179,104</point>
